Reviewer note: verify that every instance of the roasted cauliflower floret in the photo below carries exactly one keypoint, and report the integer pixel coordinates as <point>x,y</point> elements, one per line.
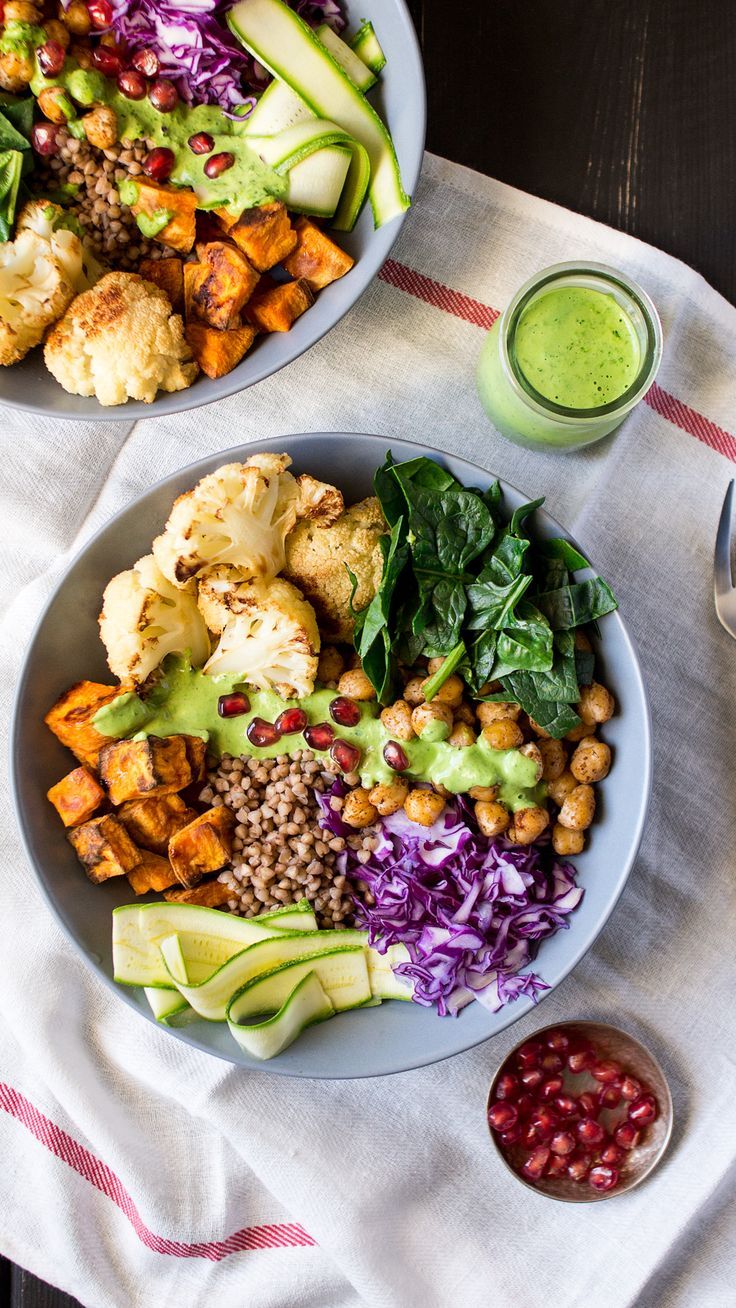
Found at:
<point>53,225</point>
<point>34,292</point>
<point>144,618</point>
<point>316,559</point>
<point>319,501</point>
<point>272,642</point>
<point>221,594</point>
<point>120,341</point>
<point>239,515</point>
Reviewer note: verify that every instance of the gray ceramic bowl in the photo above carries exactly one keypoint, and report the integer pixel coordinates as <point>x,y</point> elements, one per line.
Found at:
<point>401,100</point>
<point>66,648</point>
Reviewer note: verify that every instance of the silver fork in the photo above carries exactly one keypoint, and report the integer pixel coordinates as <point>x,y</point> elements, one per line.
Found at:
<point>725,593</point>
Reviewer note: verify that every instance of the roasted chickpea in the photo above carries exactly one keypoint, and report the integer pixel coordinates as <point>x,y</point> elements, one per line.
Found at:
<point>56,31</point>
<point>484,793</point>
<point>464,713</point>
<point>413,691</point>
<point>355,685</point>
<point>20,11</point>
<point>496,710</point>
<point>358,811</point>
<point>432,720</point>
<point>423,806</point>
<point>450,692</point>
<point>397,720</point>
<point>503,734</point>
<point>389,797</point>
<point>461,736</point>
<point>492,818</point>
<point>591,760</point>
<point>528,825</point>
<point>566,842</point>
<point>554,759</point>
<point>331,664</point>
<point>539,731</point>
<point>489,688</point>
<point>596,703</point>
<point>16,72</point>
<point>76,18</point>
<point>533,752</point>
<point>578,732</point>
<point>578,810</point>
<point>83,56</point>
<point>559,789</point>
<point>55,104</point>
<point>101,127</point>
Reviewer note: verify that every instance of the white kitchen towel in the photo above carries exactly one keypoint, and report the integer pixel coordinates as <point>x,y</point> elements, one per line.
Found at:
<point>139,1173</point>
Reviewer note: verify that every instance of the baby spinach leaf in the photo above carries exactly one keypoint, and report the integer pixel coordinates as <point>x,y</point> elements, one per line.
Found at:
<point>525,642</point>
<point>448,529</point>
<point>441,615</point>
<point>11,166</point>
<point>576,604</point>
<point>18,110</point>
<point>554,717</point>
<point>562,549</point>
<point>10,137</point>
<point>388,491</point>
<point>490,603</point>
<point>522,513</point>
<point>479,660</point>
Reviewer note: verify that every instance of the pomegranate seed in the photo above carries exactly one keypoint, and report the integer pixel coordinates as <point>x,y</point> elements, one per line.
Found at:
<point>643,1110</point>
<point>532,1077</point>
<point>231,706</point>
<point>51,58</point>
<point>529,1054</point>
<point>219,163</point>
<point>262,733</point>
<point>513,1135</point>
<point>626,1136</point>
<point>507,1086</point>
<point>536,1163</point>
<point>107,61</point>
<point>588,1104</point>
<point>602,1177</point>
<point>558,1041</point>
<point>395,756</point>
<point>43,138</point>
<point>590,1132</point>
<point>550,1089</point>
<point>563,1143</point>
<point>346,755</point>
<point>319,736</point>
<point>100,11</point>
<point>146,62</point>
<point>201,143</point>
<point>163,95</point>
<point>502,1115</point>
<point>132,84</point>
<point>605,1072</point>
<point>290,721</point>
<point>577,1168</point>
<point>529,1138</point>
<point>566,1106</point>
<point>552,1063</point>
<point>544,1122</point>
<point>610,1096</point>
<point>612,1155</point>
<point>580,1060</point>
<point>525,1106</point>
<point>630,1088</point>
<point>556,1166</point>
<point>158,164</point>
<point>345,712</point>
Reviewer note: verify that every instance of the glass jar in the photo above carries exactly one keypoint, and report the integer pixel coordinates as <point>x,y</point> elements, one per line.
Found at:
<point>559,346</point>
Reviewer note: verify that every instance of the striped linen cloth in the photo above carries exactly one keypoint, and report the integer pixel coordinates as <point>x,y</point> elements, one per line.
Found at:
<point>138,1173</point>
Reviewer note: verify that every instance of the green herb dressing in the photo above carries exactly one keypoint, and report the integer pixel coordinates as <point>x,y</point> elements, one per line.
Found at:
<point>249,182</point>
<point>185,700</point>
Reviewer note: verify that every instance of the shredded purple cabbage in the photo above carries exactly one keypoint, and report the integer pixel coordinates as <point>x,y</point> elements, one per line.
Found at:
<point>196,48</point>
<point>470,911</point>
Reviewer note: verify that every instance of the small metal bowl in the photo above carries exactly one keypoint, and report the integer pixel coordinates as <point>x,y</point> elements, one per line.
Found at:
<point>611,1043</point>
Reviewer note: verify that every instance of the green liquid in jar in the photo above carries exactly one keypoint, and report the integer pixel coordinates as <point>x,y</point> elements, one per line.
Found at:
<point>577,347</point>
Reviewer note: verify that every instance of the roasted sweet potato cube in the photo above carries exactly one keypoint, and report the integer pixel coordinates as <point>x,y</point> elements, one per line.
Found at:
<point>210,894</point>
<point>216,352</point>
<point>197,755</point>
<point>192,273</point>
<point>277,309</point>
<point>77,796</point>
<point>70,719</point>
<point>154,199</point>
<point>315,258</point>
<point>168,275</point>
<point>138,769</point>
<point>152,822</point>
<point>203,846</point>
<point>210,227</point>
<point>227,220</point>
<point>152,873</point>
<point>265,234</point>
<point>226,282</point>
<point>104,848</point>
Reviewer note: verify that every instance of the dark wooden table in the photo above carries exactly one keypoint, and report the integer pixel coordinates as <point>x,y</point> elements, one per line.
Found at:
<point>624,111</point>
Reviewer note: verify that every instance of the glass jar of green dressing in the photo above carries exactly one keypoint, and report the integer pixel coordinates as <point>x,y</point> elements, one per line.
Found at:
<point>574,351</point>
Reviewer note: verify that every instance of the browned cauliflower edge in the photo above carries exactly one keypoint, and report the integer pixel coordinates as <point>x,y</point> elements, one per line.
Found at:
<point>315,562</point>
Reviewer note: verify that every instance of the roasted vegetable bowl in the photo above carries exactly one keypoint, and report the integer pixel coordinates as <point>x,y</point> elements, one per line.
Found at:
<point>325,812</point>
